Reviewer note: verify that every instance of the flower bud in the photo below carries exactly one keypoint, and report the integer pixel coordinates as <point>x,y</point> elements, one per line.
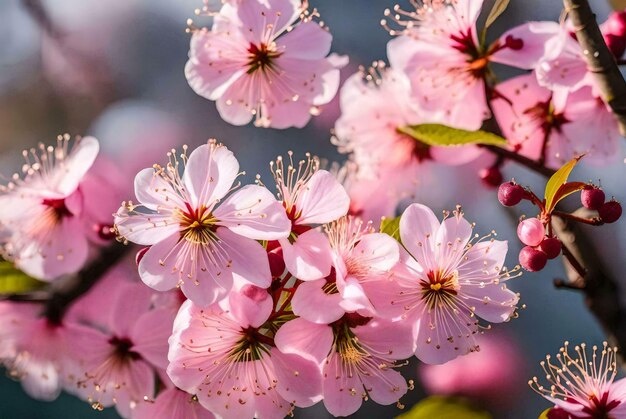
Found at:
<point>551,246</point>
<point>532,260</point>
<point>610,211</point>
<point>531,231</point>
<point>491,176</point>
<point>616,24</point>
<point>616,44</point>
<point>277,262</point>
<point>592,197</point>
<point>510,194</point>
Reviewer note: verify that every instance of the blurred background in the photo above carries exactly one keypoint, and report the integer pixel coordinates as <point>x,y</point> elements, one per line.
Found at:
<point>114,69</point>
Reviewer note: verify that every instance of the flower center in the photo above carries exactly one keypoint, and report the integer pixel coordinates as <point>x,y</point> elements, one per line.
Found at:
<point>260,57</point>
<point>440,288</point>
<point>544,113</point>
<point>123,349</point>
<point>251,346</point>
<point>58,207</point>
<point>197,226</point>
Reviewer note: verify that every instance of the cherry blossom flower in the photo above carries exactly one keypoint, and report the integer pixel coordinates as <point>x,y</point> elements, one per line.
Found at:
<point>556,126</point>
<point>374,105</point>
<point>172,403</point>
<point>198,244</point>
<point>437,47</point>
<point>117,364</point>
<point>42,227</point>
<point>358,255</point>
<point>358,356</point>
<point>264,59</point>
<point>443,281</point>
<point>227,357</point>
<point>584,386</point>
<point>310,197</point>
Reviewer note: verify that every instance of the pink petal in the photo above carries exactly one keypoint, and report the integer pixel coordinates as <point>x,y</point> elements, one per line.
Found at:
<point>248,257</point>
<point>323,201</point>
<point>394,339</point>
<point>377,251</point>
<point>307,41</point>
<point>255,16</point>
<point>313,304</point>
<point>485,258</point>
<point>494,303</point>
<point>131,301</point>
<point>354,297</point>
<point>149,336</point>
<point>418,226</point>
<point>145,229</point>
<point>151,268</point>
<point>534,36</point>
<point>251,306</point>
<point>235,105</point>
<point>309,257</point>
<point>153,191</point>
<point>451,238</point>
<point>455,156</point>
<point>209,174</point>
<point>69,173</point>
<point>172,403</point>
<point>343,394</point>
<point>63,250</point>
<point>306,339</point>
<point>255,213</point>
<point>217,58</point>
<point>387,390</point>
<point>299,379</point>
<point>432,338</point>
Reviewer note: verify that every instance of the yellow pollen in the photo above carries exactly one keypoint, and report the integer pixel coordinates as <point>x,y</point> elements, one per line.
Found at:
<point>435,287</point>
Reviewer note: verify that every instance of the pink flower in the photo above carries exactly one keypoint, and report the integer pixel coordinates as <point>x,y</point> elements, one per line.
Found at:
<point>438,49</point>
<point>358,255</point>
<point>374,105</point>
<point>42,227</point>
<point>559,125</point>
<point>172,403</point>
<point>310,197</point>
<point>442,282</point>
<point>584,386</point>
<point>34,350</point>
<point>358,357</point>
<point>117,364</point>
<point>198,244</point>
<point>264,59</point>
<point>480,375</point>
<point>227,357</point>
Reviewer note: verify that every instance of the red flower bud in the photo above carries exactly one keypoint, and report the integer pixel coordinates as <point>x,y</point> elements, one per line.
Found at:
<point>510,194</point>
<point>532,260</point>
<point>551,246</point>
<point>610,211</point>
<point>491,176</point>
<point>592,197</point>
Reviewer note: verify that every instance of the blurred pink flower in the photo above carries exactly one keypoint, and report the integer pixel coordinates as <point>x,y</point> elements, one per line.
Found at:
<point>437,47</point>
<point>117,364</point>
<point>570,123</point>
<point>358,356</point>
<point>584,386</point>
<point>172,403</point>
<point>310,197</point>
<point>264,59</point>
<point>374,105</point>
<point>198,244</point>
<point>443,281</point>
<point>492,370</point>
<point>225,357</point>
<point>42,216</point>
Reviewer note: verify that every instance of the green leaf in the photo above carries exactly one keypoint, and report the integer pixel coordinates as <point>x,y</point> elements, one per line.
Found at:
<point>391,226</point>
<point>566,190</point>
<point>556,181</point>
<point>544,414</point>
<point>443,408</point>
<point>444,136</point>
<point>498,8</point>
<point>14,281</point>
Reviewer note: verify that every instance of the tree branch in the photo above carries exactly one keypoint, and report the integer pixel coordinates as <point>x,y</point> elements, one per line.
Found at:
<point>600,60</point>
<point>59,300</point>
<point>600,290</point>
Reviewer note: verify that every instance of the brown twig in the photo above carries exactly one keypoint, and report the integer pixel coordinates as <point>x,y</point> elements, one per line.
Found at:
<point>60,300</point>
<point>586,273</point>
<point>518,158</point>
<point>600,60</point>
